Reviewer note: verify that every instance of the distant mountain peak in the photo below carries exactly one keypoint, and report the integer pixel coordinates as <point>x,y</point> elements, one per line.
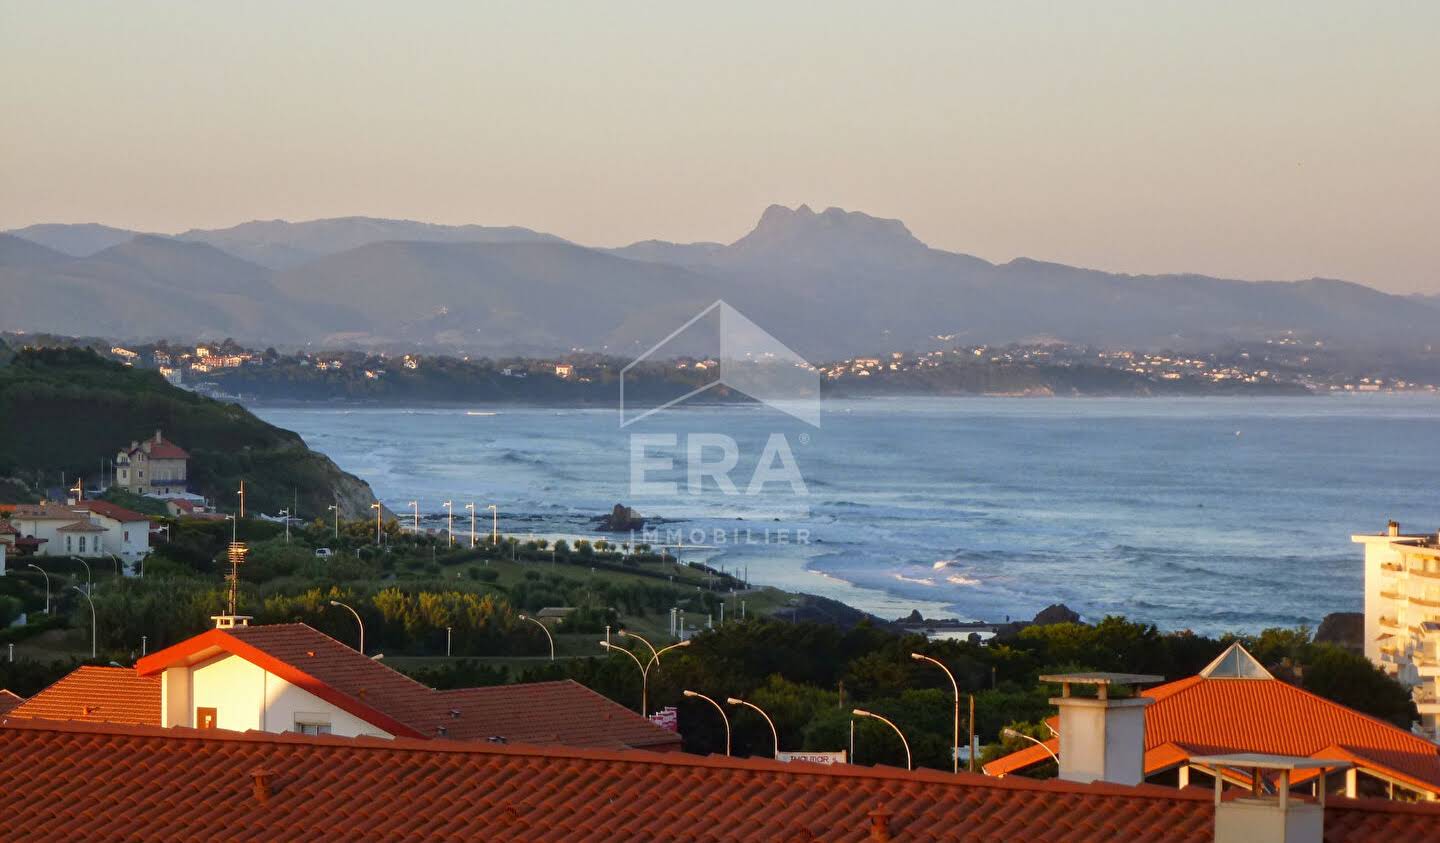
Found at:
<point>834,228</point>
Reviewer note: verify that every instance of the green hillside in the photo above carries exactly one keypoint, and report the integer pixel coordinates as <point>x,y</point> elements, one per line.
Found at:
<point>64,410</point>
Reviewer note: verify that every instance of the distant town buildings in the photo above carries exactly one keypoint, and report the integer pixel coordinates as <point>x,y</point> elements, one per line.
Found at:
<point>1402,614</point>
<point>154,467</point>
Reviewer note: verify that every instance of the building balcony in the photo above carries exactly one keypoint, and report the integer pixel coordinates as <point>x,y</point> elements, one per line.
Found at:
<point>1391,595</point>
<point>1425,601</point>
<point>1392,623</point>
<point>1392,567</point>
<point>1421,572</point>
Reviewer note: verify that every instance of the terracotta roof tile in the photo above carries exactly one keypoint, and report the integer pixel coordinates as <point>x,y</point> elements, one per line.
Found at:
<point>8,700</point>
<point>112,511</point>
<point>86,781</point>
<point>97,695</point>
<point>564,712</point>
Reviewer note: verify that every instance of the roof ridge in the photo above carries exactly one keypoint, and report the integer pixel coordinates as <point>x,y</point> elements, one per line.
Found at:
<point>634,756</point>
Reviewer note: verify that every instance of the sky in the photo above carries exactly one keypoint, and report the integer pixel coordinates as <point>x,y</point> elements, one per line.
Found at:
<point>1269,140</point>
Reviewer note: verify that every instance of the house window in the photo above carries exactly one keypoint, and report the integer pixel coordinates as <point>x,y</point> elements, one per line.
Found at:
<point>205,718</point>
<point>82,544</point>
<point>127,536</point>
<point>67,544</point>
<point>311,725</point>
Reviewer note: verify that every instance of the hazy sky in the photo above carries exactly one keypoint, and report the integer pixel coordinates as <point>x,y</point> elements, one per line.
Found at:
<point>1255,140</point>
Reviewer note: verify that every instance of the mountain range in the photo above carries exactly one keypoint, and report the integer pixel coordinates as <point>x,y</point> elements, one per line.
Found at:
<point>827,284</point>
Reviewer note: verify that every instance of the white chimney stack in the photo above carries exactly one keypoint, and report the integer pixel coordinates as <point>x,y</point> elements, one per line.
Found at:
<point>1102,739</point>
<point>1276,817</point>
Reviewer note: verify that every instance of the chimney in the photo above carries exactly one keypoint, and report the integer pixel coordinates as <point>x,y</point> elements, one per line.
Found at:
<point>1392,529</point>
<point>260,784</point>
<point>880,823</point>
<point>158,440</point>
<point>1101,739</point>
<point>1277,816</point>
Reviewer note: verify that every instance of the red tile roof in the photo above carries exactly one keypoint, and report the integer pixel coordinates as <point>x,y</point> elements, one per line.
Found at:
<point>8,700</point>
<point>563,712</point>
<point>85,781</point>
<point>112,511</point>
<point>1212,716</point>
<point>97,695</point>
<point>545,712</point>
<point>81,527</point>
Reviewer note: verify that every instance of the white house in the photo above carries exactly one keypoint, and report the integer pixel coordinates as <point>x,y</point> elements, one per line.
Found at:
<point>88,529</point>
<point>292,678</point>
<point>127,533</point>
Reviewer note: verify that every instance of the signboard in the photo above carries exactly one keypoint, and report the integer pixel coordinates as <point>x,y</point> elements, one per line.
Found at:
<point>666,718</point>
<point>813,757</point>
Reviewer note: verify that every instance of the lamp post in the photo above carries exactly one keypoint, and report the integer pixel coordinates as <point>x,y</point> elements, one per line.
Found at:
<point>1011,733</point>
<point>644,683</point>
<point>119,571</point>
<point>285,513</point>
<point>87,572</point>
<point>471,506</point>
<point>449,524</point>
<point>447,642</point>
<point>547,634</point>
<point>47,585</point>
<point>494,524</point>
<point>92,619</point>
<point>774,735</point>
<point>415,507</point>
<point>860,712</point>
<point>376,506</point>
<point>723,716</point>
<point>955,749</point>
<point>654,653</point>
<point>358,620</point>
<point>335,508</point>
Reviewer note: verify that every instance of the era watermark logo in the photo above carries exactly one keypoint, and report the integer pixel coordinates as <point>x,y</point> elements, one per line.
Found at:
<point>720,351</point>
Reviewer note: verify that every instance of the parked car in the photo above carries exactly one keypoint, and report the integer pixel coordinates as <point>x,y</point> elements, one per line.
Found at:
<point>322,552</point>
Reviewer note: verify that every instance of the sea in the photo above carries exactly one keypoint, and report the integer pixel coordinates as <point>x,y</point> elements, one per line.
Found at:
<point>1211,514</point>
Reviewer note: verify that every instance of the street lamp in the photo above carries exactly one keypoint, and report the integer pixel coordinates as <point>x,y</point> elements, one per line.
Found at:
<point>335,508</point>
<point>357,620</point>
<point>723,716</point>
<point>119,571</point>
<point>955,750</point>
<point>47,585</point>
<point>285,513</point>
<point>449,524</point>
<point>774,735</point>
<point>415,505</point>
<point>494,524</point>
<point>654,658</point>
<point>471,506</point>
<point>376,506</point>
<point>92,619</point>
<point>547,634</point>
<point>644,679</point>
<point>654,653</point>
<point>860,712</point>
<point>88,587</point>
<point>1011,733</point>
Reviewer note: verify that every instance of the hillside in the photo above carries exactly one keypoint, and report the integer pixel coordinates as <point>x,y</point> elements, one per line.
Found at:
<point>67,409</point>
<point>828,284</point>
